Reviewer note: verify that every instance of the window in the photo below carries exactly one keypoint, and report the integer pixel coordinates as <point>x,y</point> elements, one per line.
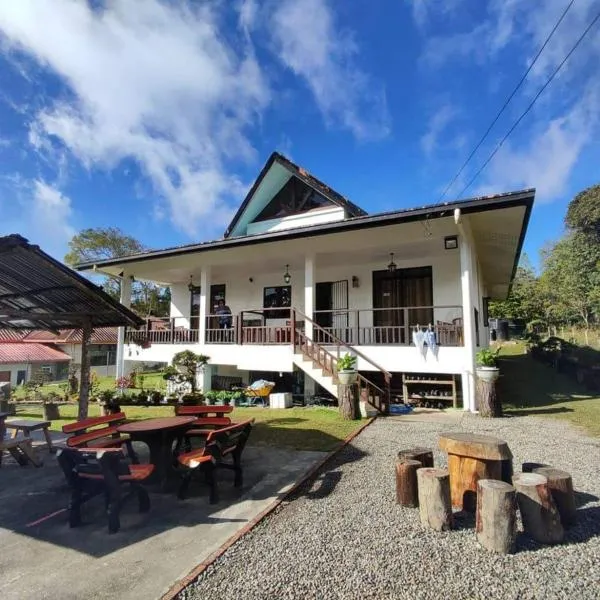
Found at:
<point>485,304</point>
<point>277,298</point>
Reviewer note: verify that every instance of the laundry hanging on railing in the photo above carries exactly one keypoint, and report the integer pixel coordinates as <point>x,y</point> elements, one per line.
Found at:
<point>425,339</point>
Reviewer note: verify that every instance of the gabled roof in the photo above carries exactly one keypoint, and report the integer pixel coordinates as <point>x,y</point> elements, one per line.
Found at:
<point>29,353</point>
<point>100,335</point>
<point>11,335</point>
<point>38,292</point>
<point>303,175</point>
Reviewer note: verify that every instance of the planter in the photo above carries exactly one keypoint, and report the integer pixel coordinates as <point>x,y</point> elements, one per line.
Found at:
<point>51,412</point>
<point>347,377</point>
<point>488,373</point>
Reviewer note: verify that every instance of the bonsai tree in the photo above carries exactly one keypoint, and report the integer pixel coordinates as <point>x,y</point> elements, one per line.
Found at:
<point>184,366</point>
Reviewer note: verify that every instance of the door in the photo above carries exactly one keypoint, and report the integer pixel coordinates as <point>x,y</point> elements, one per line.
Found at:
<point>331,308</point>
<point>217,292</point>
<point>5,376</point>
<point>402,299</point>
<point>194,308</point>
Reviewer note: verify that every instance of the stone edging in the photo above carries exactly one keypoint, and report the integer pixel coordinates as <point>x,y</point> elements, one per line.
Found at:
<point>179,586</point>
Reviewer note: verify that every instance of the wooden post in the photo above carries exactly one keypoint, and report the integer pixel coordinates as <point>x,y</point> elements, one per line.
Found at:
<point>434,498</point>
<point>561,488</point>
<point>84,387</point>
<point>423,455</point>
<point>539,514</point>
<point>496,517</point>
<point>406,482</point>
<point>488,399</point>
<point>348,401</point>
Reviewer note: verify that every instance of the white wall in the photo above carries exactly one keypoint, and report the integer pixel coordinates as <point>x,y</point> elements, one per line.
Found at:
<point>181,303</point>
<point>14,370</point>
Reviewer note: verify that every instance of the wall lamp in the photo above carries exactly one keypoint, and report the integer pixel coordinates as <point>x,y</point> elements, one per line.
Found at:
<point>451,242</point>
<point>286,276</point>
<point>392,266</point>
<point>355,281</point>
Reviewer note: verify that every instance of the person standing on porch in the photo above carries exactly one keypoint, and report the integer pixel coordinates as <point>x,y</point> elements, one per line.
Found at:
<point>224,313</point>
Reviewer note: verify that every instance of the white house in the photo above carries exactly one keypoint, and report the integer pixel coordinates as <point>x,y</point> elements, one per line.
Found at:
<point>309,276</point>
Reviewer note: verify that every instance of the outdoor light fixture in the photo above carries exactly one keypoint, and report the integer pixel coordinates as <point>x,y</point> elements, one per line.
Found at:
<point>392,265</point>
<point>191,284</point>
<point>355,282</point>
<point>286,276</point>
<point>451,242</point>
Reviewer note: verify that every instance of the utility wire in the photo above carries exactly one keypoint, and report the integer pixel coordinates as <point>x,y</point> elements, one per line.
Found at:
<point>507,101</point>
<point>526,111</point>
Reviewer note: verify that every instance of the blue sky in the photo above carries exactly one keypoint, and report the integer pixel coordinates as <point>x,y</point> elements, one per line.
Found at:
<point>156,116</point>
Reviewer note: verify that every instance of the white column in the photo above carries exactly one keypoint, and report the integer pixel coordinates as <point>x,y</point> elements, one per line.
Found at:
<point>309,293</point>
<point>125,301</point>
<point>466,275</point>
<point>205,308</point>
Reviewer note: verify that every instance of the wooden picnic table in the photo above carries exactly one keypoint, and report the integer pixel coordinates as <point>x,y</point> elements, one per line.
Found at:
<point>21,450</point>
<point>29,425</point>
<point>159,435</point>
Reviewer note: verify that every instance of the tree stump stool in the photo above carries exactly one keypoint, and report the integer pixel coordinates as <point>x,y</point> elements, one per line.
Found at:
<point>530,467</point>
<point>434,498</point>
<point>423,455</point>
<point>406,482</point>
<point>471,458</point>
<point>561,488</point>
<point>496,519</point>
<point>539,514</point>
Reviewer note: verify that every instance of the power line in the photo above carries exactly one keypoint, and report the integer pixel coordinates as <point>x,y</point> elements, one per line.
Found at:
<point>526,111</point>
<point>507,101</point>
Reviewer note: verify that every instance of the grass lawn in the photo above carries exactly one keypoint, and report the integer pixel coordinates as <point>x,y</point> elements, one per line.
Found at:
<point>311,428</point>
<point>529,387</point>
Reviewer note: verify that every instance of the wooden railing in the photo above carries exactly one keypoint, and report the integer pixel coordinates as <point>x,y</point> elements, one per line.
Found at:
<point>327,354</point>
<point>174,330</point>
<point>362,327</point>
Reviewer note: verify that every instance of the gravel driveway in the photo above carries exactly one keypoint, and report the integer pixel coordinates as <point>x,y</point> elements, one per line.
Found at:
<point>343,536</point>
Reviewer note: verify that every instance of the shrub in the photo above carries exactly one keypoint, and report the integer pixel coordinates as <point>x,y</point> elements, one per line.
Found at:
<point>487,358</point>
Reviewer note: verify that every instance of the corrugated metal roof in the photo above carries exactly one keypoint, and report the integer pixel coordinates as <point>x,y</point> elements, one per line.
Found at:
<point>11,335</point>
<point>38,292</point>
<point>28,353</point>
<point>100,335</point>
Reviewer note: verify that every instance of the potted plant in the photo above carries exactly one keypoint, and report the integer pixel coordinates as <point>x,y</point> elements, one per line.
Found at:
<point>487,369</point>
<point>211,397</point>
<point>346,369</point>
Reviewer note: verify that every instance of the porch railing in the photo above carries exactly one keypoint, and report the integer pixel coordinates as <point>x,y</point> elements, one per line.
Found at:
<point>390,326</point>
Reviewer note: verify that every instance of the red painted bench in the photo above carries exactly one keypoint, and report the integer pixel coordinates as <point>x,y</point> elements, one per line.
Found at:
<point>107,471</point>
<point>220,444</point>
<point>209,418</point>
<point>99,432</point>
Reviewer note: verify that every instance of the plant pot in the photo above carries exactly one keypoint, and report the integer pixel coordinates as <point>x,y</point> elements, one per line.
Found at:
<point>347,377</point>
<point>488,373</point>
<point>51,412</point>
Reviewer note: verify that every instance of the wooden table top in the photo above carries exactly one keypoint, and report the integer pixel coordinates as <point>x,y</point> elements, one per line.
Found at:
<point>4,415</point>
<point>158,424</point>
<point>472,445</point>
<point>26,424</point>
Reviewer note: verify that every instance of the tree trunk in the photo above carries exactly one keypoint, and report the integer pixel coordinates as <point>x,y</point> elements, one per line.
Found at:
<point>530,467</point>
<point>51,412</point>
<point>423,455</point>
<point>84,386</point>
<point>434,498</point>
<point>348,401</point>
<point>406,482</point>
<point>539,514</point>
<point>561,488</point>
<point>488,400</point>
<point>496,517</point>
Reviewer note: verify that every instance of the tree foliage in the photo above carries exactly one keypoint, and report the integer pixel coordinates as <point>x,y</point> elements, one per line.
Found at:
<point>583,214</point>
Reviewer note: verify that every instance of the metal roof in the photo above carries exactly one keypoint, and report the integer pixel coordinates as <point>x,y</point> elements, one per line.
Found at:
<point>38,292</point>
<point>100,335</point>
<point>30,353</point>
<point>11,335</point>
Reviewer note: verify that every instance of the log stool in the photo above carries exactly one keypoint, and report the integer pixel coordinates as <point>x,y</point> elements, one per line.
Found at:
<point>472,457</point>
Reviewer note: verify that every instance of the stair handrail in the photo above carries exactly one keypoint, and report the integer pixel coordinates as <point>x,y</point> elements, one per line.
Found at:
<point>387,375</point>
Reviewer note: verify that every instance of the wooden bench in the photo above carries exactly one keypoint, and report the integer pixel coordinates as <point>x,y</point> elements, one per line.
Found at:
<point>107,471</point>
<point>208,419</point>
<point>220,444</point>
<point>29,425</point>
<point>21,450</point>
<point>473,457</point>
<point>99,432</point>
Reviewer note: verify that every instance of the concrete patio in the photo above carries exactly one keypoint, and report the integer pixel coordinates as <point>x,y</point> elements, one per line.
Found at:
<point>42,557</point>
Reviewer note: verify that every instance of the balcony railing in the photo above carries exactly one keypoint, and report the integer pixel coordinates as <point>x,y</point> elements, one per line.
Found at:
<point>272,326</point>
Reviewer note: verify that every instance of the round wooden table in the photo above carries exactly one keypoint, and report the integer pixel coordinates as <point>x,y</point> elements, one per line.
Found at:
<point>159,435</point>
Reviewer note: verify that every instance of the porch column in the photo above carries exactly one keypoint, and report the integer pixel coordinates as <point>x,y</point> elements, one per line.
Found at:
<point>309,293</point>
<point>466,270</point>
<point>205,308</point>
<point>125,301</point>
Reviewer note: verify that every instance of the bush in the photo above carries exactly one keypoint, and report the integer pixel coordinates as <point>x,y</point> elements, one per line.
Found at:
<point>193,399</point>
<point>487,358</point>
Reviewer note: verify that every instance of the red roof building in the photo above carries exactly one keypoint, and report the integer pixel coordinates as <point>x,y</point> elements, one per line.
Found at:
<point>30,353</point>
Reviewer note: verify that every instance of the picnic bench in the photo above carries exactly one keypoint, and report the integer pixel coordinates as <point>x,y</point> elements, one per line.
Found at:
<point>208,418</point>
<point>20,449</point>
<point>220,444</point>
<point>29,425</point>
<point>100,432</point>
<point>107,471</point>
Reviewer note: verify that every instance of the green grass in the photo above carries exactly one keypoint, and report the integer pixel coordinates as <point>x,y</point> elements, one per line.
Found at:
<point>530,387</point>
<point>311,428</point>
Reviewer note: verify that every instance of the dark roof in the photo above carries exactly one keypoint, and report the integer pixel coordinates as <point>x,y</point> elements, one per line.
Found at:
<point>100,335</point>
<point>38,292</point>
<point>471,205</point>
<point>29,353</point>
<point>302,174</point>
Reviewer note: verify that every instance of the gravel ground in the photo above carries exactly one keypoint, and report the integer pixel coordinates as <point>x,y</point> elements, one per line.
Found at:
<point>343,536</point>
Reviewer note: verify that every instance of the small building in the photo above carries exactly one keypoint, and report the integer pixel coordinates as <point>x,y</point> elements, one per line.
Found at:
<point>19,361</point>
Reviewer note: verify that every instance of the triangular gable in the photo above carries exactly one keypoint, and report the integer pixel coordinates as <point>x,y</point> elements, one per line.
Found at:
<point>283,189</point>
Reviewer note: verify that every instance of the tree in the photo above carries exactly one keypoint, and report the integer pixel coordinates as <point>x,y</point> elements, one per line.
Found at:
<point>583,214</point>
<point>101,243</point>
<point>184,367</point>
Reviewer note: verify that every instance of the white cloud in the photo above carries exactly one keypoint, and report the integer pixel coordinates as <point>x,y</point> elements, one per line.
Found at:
<point>152,82</point>
<point>309,42</point>
<point>436,127</point>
